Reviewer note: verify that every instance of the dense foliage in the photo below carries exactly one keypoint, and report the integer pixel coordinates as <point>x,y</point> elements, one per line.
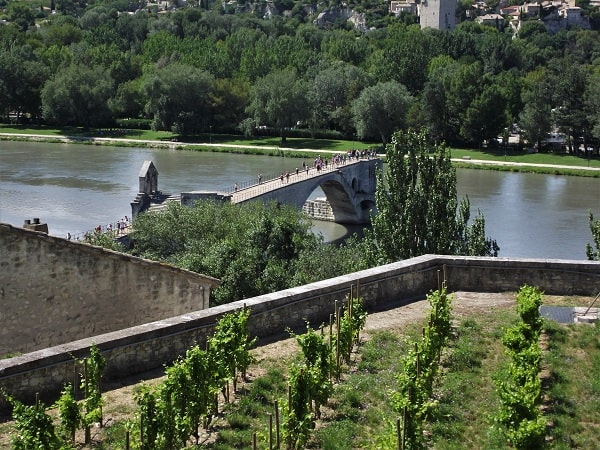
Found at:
<point>519,385</point>
<point>420,368</point>
<point>253,248</point>
<point>175,410</point>
<point>417,210</point>
<point>593,252</point>
<point>216,66</point>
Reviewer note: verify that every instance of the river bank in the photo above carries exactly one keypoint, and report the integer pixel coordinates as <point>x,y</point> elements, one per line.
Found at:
<point>591,170</point>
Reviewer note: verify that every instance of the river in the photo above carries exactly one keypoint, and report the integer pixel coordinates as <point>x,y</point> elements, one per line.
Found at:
<point>76,187</point>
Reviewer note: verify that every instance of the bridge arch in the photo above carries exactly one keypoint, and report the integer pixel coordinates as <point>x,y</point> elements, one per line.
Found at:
<point>350,190</point>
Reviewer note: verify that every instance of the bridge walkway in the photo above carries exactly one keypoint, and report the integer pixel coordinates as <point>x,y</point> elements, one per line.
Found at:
<point>246,193</point>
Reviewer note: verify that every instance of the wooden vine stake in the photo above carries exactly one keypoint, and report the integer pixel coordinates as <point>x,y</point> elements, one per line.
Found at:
<point>88,434</point>
<point>270,431</point>
<point>337,346</point>
<point>277,435</point>
<point>350,321</point>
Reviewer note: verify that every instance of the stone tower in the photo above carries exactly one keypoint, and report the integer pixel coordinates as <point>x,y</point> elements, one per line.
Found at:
<point>438,14</point>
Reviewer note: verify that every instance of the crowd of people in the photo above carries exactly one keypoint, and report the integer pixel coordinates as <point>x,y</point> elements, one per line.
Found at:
<point>118,228</point>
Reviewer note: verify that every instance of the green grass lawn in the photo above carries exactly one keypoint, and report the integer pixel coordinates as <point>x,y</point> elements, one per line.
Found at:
<point>522,157</point>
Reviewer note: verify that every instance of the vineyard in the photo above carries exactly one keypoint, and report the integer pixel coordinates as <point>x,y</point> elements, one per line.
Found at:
<point>360,405</point>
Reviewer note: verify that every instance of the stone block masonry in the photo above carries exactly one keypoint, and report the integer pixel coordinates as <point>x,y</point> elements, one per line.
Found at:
<point>54,291</point>
<point>319,209</point>
<point>149,346</point>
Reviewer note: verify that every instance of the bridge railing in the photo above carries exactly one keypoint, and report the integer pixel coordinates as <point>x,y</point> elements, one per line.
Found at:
<point>297,174</point>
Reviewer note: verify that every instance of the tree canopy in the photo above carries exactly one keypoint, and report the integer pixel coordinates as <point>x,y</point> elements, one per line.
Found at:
<point>417,207</point>
<point>253,248</point>
<point>189,68</point>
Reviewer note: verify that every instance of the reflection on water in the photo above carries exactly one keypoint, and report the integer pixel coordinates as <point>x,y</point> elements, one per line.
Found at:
<point>74,188</point>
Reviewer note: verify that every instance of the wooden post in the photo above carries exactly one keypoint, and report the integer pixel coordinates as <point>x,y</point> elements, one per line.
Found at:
<point>127,440</point>
<point>254,441</point>
<point>270,431</point>
<point>88,435</point>
<point>330,339</point>
<point>337,346</point>
<point>351,330</point>
<point>277,438</point>
<point>418,360</point>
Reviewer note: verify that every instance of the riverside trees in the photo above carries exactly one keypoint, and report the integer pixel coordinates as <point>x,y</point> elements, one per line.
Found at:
<point>148,59</point>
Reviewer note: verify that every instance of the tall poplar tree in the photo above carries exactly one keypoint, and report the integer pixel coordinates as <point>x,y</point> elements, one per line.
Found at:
<point>418,210</point>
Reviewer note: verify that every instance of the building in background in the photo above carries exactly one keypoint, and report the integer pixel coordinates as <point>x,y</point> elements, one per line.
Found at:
<point>438,14</point>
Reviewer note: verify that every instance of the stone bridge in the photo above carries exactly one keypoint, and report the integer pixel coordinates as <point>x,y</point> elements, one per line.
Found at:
<point>349,187</point>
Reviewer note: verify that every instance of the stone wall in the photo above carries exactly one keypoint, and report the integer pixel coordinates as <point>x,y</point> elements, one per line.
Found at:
<point>54,291</point>
<point>319,209</point>
<point>149,346</point>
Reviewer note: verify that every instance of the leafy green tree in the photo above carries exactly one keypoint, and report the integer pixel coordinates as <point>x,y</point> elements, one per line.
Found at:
<point>404,56</point>
<point>321,261</point>
<point>417,203</point>
<point>253,248</point>
<point>330,93</point>
<point>178,98</point>
<point>536,116</point>
<point>21,15</point>
<point>434,98</point>
<point>78,95</point>
<point>381,109</point>
<point>279,101</point>
<point>485,117</point>
<point>568,80</point>
<point>229,99</point>
<point>592,102</point>
<point>591,253</point>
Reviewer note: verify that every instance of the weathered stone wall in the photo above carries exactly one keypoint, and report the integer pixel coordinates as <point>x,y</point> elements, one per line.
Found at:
<point>54,291</point>
<point>149,346</point>
<point>319,209</point>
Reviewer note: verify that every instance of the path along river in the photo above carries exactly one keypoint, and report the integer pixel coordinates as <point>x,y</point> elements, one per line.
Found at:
<point>76,187</point>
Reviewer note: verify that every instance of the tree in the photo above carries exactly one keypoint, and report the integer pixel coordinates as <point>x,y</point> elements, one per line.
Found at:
<point>178,98</point>
<point>417,204</point>
<point>252,247</point>
<point>568,81</point>
<point>485,117</point>
<point>279,100</point>
<point>536,116</point>
<point>330,93</point>
<point>592,102</point>
<point>381,109</point>
<point>21,15</point>
<point>591,253</point>
<point>78,95</point>
<point>434,98</point>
